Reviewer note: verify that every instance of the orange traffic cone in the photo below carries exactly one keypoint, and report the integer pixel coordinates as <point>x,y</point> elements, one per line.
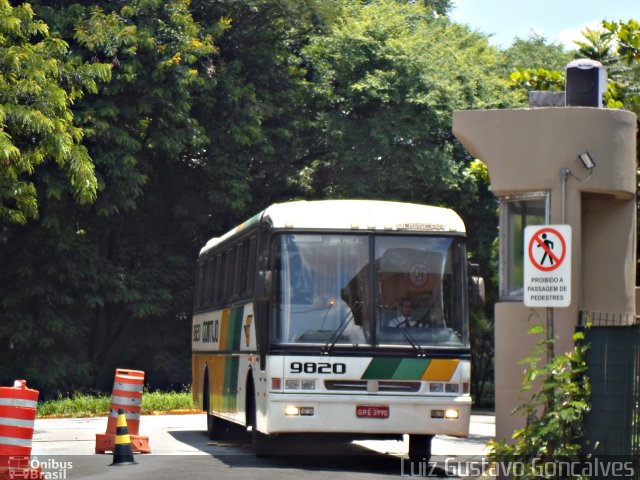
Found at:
<point>17,415</point>
<point>127,394</point>
<point>122,452</point>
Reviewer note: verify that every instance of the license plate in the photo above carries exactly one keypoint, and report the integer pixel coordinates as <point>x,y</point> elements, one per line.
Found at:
<point>372,411</point>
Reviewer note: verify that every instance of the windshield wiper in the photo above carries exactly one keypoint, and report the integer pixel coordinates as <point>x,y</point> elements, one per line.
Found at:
<point>335,336</point>
<point>415,345</point>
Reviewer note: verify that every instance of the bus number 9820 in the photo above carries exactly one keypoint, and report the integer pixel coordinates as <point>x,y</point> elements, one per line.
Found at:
<point>322,368</point>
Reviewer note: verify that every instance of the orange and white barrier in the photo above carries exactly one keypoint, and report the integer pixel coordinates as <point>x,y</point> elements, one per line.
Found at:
<point>127,396</point>
<point>18,406</point>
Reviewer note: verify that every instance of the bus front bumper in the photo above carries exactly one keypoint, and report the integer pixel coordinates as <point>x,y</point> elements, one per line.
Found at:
<point>366,414</point>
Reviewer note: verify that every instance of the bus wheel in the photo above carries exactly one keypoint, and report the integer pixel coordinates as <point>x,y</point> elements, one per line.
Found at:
<point>261,444</point>
<point>212,422</point>
<point>420,447</point>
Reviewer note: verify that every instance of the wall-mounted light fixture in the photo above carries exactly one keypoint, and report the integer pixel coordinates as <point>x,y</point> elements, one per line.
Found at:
<point>587,160</point>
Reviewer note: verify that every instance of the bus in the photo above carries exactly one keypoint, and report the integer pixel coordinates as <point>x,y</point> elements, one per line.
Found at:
<point>295,327</point>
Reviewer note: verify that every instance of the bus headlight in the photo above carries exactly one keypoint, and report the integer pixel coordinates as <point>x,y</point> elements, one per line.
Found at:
<point>294,410</point>
<point>451,414</point>
<point>291,411</point>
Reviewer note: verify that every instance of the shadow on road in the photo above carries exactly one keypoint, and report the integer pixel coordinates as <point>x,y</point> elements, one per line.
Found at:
<point>299,452</point>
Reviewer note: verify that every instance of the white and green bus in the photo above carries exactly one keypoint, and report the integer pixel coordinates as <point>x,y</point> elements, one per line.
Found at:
<point>296,323</point>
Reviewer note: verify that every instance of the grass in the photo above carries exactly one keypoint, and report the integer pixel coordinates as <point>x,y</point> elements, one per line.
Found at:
<point>166,401</point>
<point>83,405</point>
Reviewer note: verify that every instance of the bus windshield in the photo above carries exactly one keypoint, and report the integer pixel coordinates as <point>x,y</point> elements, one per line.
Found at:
<point>402,291</point>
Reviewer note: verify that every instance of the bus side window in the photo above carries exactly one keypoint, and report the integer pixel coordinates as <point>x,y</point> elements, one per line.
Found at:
<point>229,270</point>
<point>199,297</point>
<point>217,286</point>
<point>238,272</point>
<point>243,264</point>
<point>251,267</point>
<point>207,282</point>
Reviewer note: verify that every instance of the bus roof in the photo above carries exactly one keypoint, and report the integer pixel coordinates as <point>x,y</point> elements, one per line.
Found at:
<point>352,215</point>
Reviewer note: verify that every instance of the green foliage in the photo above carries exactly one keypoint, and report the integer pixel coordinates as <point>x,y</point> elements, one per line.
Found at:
<point>481,332</point>
<point>75,406</point>
<point>535,52</point>
<point>263,130</point>
<point>159,402</point>
<point>441,7</point>
<point>530,79</point>
<point>388,77</point>
<point>84,405</point>
<point>38,85</point>
<point>555,400</point>
<point>86,285</point>
<point>628,38</point>
<point>478,170</point>
<point>597,45</point>
<point>534,64</point>
<point>623,40</point>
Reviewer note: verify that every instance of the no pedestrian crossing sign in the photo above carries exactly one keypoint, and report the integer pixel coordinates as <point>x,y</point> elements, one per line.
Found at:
<point>547,266</point>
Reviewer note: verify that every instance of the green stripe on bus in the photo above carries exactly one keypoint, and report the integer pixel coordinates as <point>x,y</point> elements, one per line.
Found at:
<point>411,369</point>
<point>235,329</point>
<point>381,368</point>
<point>229,394</point>
<point>396,369</point>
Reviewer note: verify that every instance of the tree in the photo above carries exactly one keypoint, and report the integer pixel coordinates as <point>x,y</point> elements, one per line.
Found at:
<point>441,7</point>
<point>38,85</point>
<point>269,128</point>
<point>534,64</point>
<point>624,64</point>
<point>535,52</point>
<point>85,282</point>
<point>388,75</point>
<point>598,45</point>
<point>628,37</point>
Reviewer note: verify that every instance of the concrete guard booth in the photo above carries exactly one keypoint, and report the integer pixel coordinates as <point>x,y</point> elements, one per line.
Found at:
<point>560,165</point>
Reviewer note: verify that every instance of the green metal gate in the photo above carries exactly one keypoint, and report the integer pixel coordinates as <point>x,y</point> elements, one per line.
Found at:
<point>613,359</point>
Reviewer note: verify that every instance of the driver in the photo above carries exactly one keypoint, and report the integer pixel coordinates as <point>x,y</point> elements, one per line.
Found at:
<point>404,318</point>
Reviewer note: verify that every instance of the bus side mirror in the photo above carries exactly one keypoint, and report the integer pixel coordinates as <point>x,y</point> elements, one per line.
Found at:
<point>477,295</point>
<point>263,285</point>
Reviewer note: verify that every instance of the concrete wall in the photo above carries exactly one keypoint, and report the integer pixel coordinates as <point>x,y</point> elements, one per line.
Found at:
<point>525,150</point>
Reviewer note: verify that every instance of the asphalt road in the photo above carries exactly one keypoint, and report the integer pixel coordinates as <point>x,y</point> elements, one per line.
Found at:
<point>180,449</point>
